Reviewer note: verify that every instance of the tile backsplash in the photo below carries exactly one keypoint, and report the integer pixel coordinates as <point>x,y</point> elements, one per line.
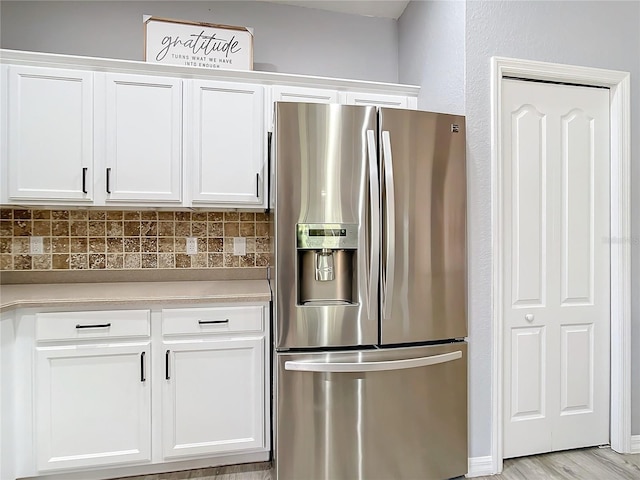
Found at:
<point>127,240</point>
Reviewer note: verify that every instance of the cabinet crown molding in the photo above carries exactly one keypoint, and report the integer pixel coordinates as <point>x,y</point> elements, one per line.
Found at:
<point>18,57</point>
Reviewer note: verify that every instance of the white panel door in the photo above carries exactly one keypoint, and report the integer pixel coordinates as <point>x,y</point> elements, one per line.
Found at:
<point>226,144</point>
<point>92,405</point>
<point>143,138</point>
<point>555,141</point>
<point>213,397</point>
<point>50,134</point>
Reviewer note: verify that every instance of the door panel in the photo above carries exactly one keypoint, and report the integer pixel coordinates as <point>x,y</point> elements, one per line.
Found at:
<point>50,134</point>
<point>576,369</point>
<point>213,397</point>
<point>143,138</point>
<point>92,405</point>
<point>555,141</point>
<point>529,160</point>
<point>528,396</point>
<point>577,189</point>
<point>227,142</point>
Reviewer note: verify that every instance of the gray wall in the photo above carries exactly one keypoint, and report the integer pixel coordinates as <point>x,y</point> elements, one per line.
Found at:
<point>595,34</point>
<point>305,41</point>
<point>431,53</point>
<point>287,39</point>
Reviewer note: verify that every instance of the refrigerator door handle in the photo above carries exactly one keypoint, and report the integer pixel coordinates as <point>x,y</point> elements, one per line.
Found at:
<point>389,271</point>
<point>374,194</point>
<point>355,367</point>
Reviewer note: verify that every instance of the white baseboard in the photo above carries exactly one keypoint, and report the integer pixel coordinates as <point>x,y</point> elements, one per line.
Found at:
<point>635,444</point>
<point>479,466</point>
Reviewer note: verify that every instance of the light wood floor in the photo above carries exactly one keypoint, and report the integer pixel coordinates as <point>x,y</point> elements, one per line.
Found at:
<point>584,464</point>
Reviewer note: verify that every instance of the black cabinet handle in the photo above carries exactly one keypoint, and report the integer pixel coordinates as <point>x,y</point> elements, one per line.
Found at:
<point>95,325</point>
<point>84,179</point>
<point>166,365</point>
<point>143,376</point>
<point>108,180</point>
<point>210,322</point>
<point>258,185</point>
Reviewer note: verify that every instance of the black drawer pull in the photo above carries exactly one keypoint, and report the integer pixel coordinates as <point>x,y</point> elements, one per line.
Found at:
<point>166,365</point>
<point>97,325</point>
<point>211,322</point>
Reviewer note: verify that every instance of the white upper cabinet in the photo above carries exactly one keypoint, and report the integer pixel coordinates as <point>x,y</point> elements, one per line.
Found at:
<point>286,93</point>
<point>378,100</point>
<point>102,132</point>
<point>142,138</point>
<point>225,143</point>
<point>49,135</point>
<point>282,93</point>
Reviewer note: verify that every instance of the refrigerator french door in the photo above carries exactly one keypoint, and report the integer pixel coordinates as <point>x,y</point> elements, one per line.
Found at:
<point>369,293</point>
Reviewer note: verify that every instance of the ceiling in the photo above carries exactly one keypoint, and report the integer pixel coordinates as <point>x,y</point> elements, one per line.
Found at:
<point>377,8</point>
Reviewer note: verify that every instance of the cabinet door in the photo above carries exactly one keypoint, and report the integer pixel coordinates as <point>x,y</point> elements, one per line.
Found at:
<point>50,135</point>
<point>226,144</point>
<point>213,397</point>
<point>376,99</point>
<point>304,94</point>
<point>143,138</point>
<point>281,93</point>
<point>92,405</point>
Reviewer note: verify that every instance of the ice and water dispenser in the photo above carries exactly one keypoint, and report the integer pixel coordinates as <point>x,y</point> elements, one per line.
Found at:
<point>326,263</point>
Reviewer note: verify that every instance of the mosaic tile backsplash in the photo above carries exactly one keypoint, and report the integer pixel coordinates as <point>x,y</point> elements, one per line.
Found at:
<point>122,240</point>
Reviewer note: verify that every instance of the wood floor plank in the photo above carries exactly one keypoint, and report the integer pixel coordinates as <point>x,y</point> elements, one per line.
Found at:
<point>584,464</point>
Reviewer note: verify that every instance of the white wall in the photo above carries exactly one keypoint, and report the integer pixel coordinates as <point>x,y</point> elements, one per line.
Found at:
<point>595,34</point>
<point>287,39</point>
<point>431,53</point>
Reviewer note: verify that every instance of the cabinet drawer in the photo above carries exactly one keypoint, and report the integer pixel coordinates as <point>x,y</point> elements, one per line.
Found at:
<point>187,321</point>
<point>91,325</point>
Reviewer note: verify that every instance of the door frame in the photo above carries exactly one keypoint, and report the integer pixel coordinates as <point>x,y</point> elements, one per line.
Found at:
<point>620,246</point>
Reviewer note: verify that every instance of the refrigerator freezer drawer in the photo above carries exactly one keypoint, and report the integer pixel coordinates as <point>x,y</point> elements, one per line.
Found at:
<point>382,414</point>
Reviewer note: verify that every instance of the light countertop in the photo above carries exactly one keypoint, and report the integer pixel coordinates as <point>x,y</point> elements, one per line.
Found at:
<point>131,293</point>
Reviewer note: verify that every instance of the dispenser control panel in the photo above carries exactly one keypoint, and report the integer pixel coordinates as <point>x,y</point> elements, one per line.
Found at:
<point>327,235</point>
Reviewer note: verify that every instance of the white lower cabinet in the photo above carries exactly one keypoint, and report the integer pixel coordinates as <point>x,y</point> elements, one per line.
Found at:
<point>92,393</point>
<point>214,392</point>
<point>93,405</point>
<point>213,396</point>
<point>126,389</point>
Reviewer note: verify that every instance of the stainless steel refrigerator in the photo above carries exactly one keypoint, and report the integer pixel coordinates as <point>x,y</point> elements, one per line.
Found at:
<point>370,376</point>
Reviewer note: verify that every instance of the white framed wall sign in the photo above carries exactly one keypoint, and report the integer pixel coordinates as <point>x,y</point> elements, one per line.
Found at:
<point>197,44</point>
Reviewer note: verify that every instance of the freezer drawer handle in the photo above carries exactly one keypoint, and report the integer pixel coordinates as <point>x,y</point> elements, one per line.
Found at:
<point>346,367</point>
